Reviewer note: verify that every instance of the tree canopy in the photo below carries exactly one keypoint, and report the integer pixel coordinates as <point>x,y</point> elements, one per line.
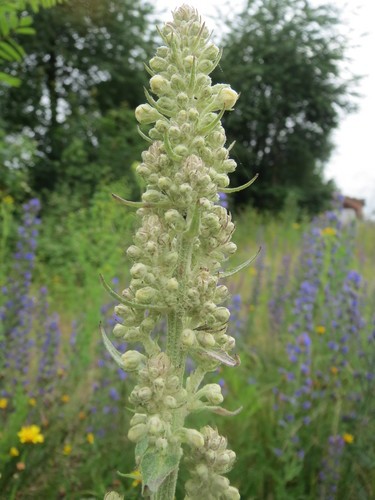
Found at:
<point>285,57</point>
<point>84,66</point>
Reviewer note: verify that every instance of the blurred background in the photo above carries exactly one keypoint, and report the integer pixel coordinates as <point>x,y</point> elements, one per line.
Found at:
<point>71,78</point>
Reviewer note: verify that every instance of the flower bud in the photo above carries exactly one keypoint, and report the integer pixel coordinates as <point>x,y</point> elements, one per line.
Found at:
<point>119,331</point>
<point>138,270</point>
<point>173,383</point>
<point>138,418</point>
<point>220,484</point>
<point>170,402</point>
<point>206,339</point>
<point>159,384</point>
<point>202,471</point>
<point>159,85</point>
<point>145,295</point>
<point>132,360</point>
<point>144,393</point>
<point>155,425</point>
<point>158,64</point>
<point>137,432</point>
<point>152,196</point>
<point>172,285</point>
<point>222,314</point>
<point>192,437</point>
<point>232,493</point>
<point>226,98</point>
<point>188,337</point>
<point>146,114</point>
<point>122,310</point>
<point>230,247</point>
<point>134,252</point>
<point>133,334</point>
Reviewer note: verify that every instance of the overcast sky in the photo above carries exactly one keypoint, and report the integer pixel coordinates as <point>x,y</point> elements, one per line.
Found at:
<point>352,164</point>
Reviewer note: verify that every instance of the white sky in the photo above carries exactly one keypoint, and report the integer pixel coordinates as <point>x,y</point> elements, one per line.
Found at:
<point>352,164</point>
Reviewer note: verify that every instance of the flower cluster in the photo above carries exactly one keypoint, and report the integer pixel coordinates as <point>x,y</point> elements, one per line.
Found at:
<point>178,252</point>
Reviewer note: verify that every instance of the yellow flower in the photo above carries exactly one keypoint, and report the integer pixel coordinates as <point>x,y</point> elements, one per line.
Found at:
<point>8,200</point>
<point>3,403</point>
<point>137,479</point>
<point>348,438</point>
<point>31,434</point>
<point>295,225</point>
<point>32,402</point>
<point>90,438</point>
<point>321,330</point>
<point>67,450</point>
<point>329,231</point>
<point>334,370</point>
<point>13,452</point>
<point>65,398</point>
<point>82,415</point>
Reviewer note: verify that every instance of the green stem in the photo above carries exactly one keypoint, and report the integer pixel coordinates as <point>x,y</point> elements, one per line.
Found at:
<point>174,351</point>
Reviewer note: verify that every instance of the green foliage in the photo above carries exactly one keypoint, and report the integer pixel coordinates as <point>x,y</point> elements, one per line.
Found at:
<point>286,56</point>
<point>14,21</point>
<point>85,74</point>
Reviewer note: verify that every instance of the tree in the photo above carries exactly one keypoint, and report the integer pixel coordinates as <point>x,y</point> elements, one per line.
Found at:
<point>85,61</point>
<point>285,57</point>
<point>15,21</point>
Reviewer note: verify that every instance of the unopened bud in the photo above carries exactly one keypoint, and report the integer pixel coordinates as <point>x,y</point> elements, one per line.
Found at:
<point>144,394</point>
<point>192,437</point>
<point>138,418</point>
<point>222,314</point>
<point>232,493</point>
<point>170,402</point>
<point>137,432</point>
<point>155,425</point>
<point>145,295</point>
<point>119,331</point>
<point>227,98</point>
<point>138,270</point>
<point>132,360</point>
<point>146,114</point>
<point>188,337</point>
<point>159,85</point>
<point>206,339</point>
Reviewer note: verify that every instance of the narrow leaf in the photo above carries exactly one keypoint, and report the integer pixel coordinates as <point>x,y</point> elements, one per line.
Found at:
<point>219,355</point>
<point>240,188</point>
<point>144,136</point>
<point>225,274</point>
<point>223,412</point>
<point>114,353</point>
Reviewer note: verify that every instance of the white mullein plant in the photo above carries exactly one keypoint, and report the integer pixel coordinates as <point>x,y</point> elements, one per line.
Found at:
<point>178,253</point>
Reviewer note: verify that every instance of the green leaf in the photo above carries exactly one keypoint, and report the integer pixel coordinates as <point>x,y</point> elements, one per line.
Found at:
<point>155,468</point>
<point>141,447</point>
<point>12,81</point>
<point>115,354</point>
<point>25,31</point>
<point>26,21</point>
<point>11,51</point>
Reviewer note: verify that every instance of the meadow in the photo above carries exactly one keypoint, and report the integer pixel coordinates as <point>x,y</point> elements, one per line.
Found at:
<point>303,319</point>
